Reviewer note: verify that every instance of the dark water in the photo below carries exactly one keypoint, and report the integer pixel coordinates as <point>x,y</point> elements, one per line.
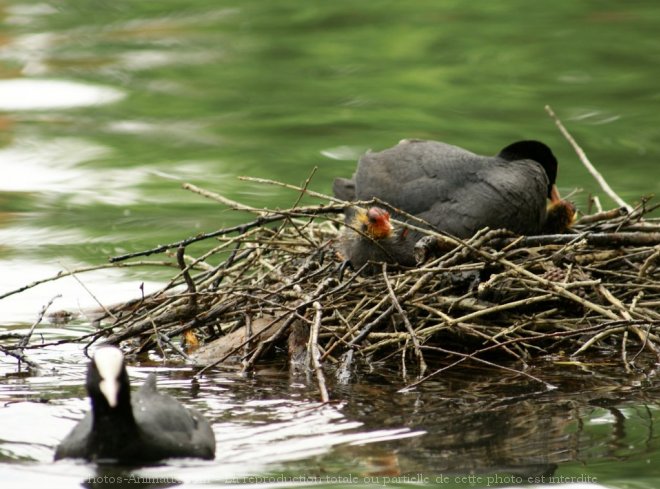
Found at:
<point>106,108</point>
<point>468,428</point>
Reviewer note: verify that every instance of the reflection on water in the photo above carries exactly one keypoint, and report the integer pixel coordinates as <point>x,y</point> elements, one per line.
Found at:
<point>77,296</point>
<point>484,422</point>
<point>26,94</point>
<point>473,421</point>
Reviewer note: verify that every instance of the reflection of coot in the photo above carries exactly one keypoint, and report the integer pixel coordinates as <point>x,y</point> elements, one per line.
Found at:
<point>460,192</point>
<point>146,427</point>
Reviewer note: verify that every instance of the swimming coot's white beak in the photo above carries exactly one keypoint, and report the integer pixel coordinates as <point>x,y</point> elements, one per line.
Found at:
<point>109,362</point>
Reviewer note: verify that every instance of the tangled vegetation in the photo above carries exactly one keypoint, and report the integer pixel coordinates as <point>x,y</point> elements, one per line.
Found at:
<point>274,286</point>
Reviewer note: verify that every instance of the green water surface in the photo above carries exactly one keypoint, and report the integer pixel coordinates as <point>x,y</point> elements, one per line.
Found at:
<point>106,108</point>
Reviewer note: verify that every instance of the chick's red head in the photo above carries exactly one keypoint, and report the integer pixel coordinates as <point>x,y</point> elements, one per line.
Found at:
<point>375,223</point>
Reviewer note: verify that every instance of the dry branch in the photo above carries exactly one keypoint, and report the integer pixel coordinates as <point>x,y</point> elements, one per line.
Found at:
<point>583,158</point>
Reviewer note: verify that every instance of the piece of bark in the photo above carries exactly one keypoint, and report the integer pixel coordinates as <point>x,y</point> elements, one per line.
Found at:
<point>231,345</point>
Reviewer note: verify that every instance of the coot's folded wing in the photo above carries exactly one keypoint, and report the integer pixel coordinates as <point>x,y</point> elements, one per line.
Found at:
<point>169,427</point>
<point>75,445</point>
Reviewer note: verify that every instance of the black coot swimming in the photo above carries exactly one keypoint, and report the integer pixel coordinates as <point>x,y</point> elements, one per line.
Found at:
<point>133,429</point>
<point>460,192</point>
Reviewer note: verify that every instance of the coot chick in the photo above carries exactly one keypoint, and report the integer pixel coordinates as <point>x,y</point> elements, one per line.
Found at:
<point>370,237</point>
<point>133,429</point>
<point>561,215</point>
<point>457,191</point>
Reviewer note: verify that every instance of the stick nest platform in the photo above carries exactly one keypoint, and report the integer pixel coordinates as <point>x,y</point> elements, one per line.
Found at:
<point>273,286</point>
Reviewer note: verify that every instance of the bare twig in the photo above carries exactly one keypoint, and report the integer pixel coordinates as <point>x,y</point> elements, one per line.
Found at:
<point>315,354</point>
<point>24,342</point>
<point>221,199</point>
<point>474,357</point>
<point>583,158</point>
<point>304,188</point>
<point>18,351</point>
<point>602,216</point>
<point>406,322</point>
<point>185,270</point>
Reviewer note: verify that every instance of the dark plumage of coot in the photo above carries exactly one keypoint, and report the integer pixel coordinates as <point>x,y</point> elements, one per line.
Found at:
<point>459,192</point>
<point>133,429</point>
<point>370,237</point>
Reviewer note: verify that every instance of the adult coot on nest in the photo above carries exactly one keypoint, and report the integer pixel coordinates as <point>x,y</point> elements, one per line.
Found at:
<point>132,430</point>
<point>459,192</point>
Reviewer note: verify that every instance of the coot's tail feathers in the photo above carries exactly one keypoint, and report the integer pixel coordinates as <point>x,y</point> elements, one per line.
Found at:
<point>179,430</point>
<point>344,189</point>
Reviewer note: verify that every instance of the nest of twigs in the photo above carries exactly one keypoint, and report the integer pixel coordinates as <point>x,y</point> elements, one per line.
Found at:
<point>274,285</point>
